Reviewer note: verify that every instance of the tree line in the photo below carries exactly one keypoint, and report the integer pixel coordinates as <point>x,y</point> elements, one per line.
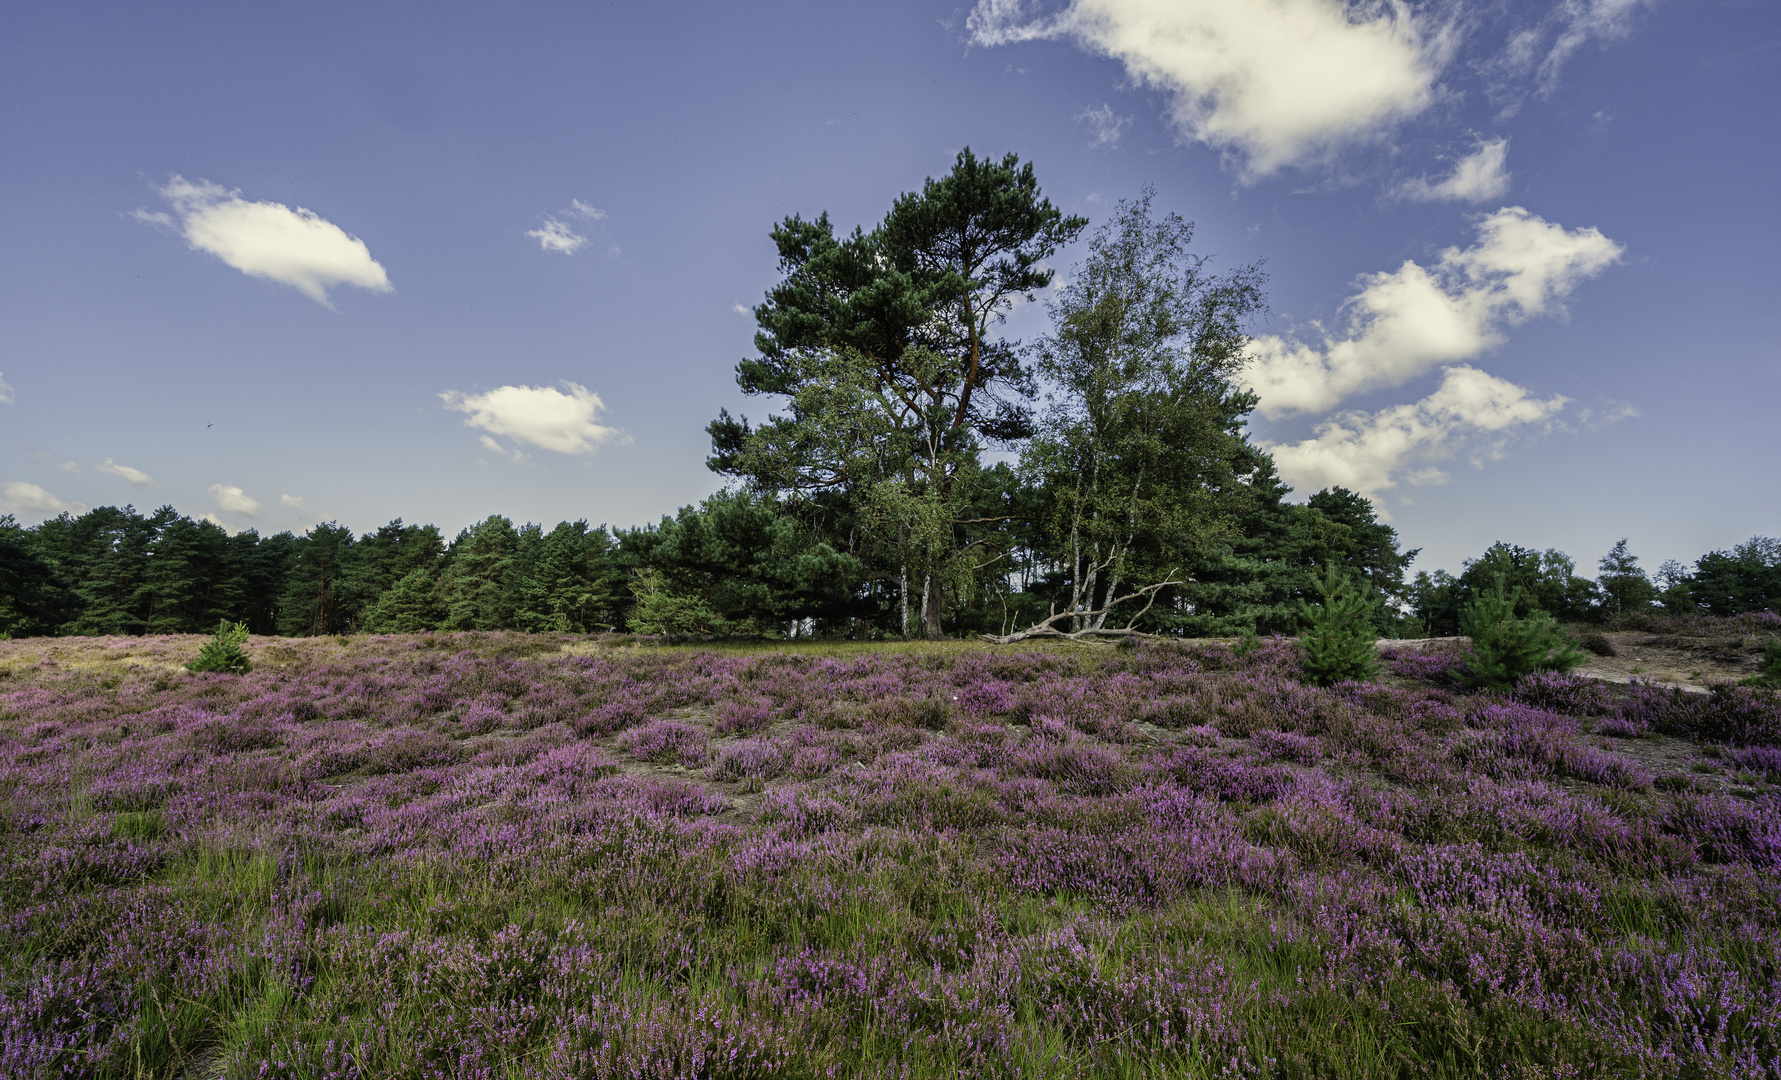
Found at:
<point>923,476</point>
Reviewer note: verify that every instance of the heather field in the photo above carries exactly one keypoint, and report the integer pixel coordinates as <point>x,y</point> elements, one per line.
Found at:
<point>501,855</point>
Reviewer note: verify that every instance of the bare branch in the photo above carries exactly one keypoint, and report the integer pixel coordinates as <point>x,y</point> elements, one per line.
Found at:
<point>1046,627</point>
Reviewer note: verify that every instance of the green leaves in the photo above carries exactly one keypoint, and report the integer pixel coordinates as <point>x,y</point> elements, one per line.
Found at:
<point>1338,644</point>
<point>1137,451</point>
<point>222,653</point>
<point>1505,648</point>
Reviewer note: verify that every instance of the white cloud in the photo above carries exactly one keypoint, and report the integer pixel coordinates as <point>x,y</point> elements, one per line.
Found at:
<point>592,213</point>
<point>1407,321</point>
<point>1472,412</point>
<point>541,416</point>
<point>135,476</point>
<point>5,391</point>
<point>296,501</point>
<point>557,236</point>
<point>1480,176</point>
<point>20,497</point>
<point>269,240</point>
<point>1104,124</point>
<point>1583,21</point>
<point>741,309</point>
<point>1273,82</point>
<point>1542,50</point>
<point>1614,413</point>
<point>218,522</point>
<point>234,500</point>
<point>70,467</point>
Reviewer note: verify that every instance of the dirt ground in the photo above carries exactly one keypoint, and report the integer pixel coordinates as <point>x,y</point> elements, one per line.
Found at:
<point>1690,662</point>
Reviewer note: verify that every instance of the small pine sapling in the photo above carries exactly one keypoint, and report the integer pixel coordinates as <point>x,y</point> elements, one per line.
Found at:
<point>1771,665</point>
<point>223,651</point>
<point>1339,644</point>
<point>1505,648</point>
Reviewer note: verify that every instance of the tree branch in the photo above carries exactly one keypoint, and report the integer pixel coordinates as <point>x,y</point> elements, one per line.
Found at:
<point>1046,628</point>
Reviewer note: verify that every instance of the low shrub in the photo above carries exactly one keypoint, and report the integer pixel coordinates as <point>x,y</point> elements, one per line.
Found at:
<point>222,653</point>
<point>1559,692</point>
<point>1436,665</point>
<point>1505,648</point>
<point>1597,642</point>
<point>1771,662</point>
<point>1339,642</point>
<point>665,742</point>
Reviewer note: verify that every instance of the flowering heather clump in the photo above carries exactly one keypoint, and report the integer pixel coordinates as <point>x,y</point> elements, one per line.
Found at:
<point>493,855</point>
<point>1563,692</point>
<point>665,742</point>
<point>1740,714</point>
<point>1443,666</point>
<point>742,718</point>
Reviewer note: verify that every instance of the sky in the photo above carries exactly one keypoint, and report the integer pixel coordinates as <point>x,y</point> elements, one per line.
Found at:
<point>285,264</point>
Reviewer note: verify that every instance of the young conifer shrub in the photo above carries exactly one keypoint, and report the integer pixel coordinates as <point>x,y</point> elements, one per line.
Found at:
<point>1339,644</point>
<point>1505,648</point>
<point>1771,663</point>
<point>223,651</point>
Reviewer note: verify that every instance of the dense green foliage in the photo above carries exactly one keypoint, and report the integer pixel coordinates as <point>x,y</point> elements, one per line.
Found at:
<point>1128,496</point>
<point>1510,641</point>
<point>222,653</point>
<point>1338,642</point>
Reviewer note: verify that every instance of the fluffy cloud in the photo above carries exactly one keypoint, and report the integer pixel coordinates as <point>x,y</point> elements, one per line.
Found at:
<point>1274,82</point>
<point>269,240</point>
<point>554,235</point>
<point>19,497</point>
<point>1409,320</point>
<point>125,472</point>
<point>234,500</point>
<point>1105,124</point>
<point>562,421</point>
<point>1478,177</point>
<point>1472,413</point>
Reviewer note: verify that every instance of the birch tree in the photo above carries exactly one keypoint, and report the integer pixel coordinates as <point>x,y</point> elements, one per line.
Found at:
<point>1142,432</point>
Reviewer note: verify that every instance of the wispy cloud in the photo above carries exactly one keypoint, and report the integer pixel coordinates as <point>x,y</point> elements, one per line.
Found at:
<point>70,467</point>
<point>17,496</point>
<point>1410,320</point>
<point>1104,125</point>
<point>1473,414</point>
<point>125,472</point>
<point>1540,51</point>
<point>295,501</point>
<point>562,421</point>
<point>557,235</point>
<point>5,391</point>
<point>268,240</point>
<point>234,500</point>
<point>1276,83</point>
<point>1481,176</point>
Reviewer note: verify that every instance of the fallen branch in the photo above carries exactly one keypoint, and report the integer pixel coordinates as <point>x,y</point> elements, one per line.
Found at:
<point>1046,628</point>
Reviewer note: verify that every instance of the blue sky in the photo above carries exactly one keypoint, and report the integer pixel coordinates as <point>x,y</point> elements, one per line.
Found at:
<point>290,264</point>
